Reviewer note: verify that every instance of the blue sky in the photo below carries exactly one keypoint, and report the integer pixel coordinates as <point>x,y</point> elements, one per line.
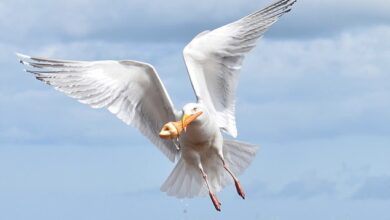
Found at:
<point>314,94</point>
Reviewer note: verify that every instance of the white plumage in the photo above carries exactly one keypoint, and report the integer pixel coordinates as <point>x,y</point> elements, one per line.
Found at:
<point>214,60</point>
<point>133,91</point>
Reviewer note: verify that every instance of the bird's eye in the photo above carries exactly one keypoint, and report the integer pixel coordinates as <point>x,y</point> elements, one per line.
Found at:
<point>195,109</point>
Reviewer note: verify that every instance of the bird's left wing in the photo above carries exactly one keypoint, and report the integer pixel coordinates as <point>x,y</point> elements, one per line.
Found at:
<point>214,59</point>
<point>131,90</point>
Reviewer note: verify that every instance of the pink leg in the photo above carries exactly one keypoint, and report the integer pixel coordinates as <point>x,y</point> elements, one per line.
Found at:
<point>239,188</point>
<point>213,197</point>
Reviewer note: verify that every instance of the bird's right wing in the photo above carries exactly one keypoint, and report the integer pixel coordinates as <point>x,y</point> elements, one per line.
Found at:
<point>214,60</point>
<point>131,90</point>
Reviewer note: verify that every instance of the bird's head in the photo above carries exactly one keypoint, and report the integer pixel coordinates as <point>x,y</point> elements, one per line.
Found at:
<point>192,112</point>
<point>194,109</point>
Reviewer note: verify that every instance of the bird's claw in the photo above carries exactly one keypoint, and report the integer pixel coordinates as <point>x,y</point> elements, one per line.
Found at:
<point>216,202</point>
<point>239,189</point>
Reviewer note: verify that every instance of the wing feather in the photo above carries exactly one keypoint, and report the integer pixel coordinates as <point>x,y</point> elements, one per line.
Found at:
<point>214,60</point>
<point>131,90</point>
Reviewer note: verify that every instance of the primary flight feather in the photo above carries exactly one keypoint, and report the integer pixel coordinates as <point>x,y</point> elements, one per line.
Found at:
<point>133,91</point>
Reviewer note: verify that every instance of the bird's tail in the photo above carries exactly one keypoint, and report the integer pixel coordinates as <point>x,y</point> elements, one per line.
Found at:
<point>186,181</point>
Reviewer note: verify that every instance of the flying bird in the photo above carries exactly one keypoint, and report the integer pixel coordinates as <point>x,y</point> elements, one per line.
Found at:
<point>207,161</point>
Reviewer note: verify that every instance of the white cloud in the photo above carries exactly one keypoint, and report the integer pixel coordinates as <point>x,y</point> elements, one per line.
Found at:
<point>41,21</point>
<point>329,86</point>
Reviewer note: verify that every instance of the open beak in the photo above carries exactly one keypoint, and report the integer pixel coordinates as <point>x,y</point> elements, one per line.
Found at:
<point>173,129</point>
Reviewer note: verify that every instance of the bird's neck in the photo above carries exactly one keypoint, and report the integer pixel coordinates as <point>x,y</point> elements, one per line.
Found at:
<point>200,130</point>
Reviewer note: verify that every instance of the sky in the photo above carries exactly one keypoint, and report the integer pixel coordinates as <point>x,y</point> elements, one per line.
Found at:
<point>314,95</point>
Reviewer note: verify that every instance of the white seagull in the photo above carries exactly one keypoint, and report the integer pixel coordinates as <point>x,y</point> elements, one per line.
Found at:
<point>133,91</point>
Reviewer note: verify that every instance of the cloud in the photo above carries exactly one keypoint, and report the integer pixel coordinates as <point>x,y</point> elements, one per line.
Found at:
<point>317,88</point>
<point>46,118</point>
<point>129,20</point>
<point>305,188</point>
<point>374,188</point>
<point>317,18</point>
<point>26,22</point>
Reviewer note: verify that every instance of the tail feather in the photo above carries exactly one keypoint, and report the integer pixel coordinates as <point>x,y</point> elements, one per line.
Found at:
<point>238,155</point>
<point>185,180</point>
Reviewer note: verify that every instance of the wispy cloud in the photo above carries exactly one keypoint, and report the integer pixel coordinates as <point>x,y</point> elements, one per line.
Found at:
<point>305,188</point>
<point>320,87</point>
<point>152,21</point>
<point>376,188</point>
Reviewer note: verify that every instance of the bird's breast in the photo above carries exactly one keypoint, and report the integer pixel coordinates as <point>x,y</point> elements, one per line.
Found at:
<point>199,134</point>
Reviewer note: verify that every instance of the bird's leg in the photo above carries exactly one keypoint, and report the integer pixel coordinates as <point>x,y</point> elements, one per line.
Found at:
<point>213,197</point>
<point>239,188</point>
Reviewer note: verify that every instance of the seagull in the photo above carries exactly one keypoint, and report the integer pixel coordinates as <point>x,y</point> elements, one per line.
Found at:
<point>195,136</point>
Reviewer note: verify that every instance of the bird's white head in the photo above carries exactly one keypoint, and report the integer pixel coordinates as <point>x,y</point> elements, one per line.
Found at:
<point>194,108</point>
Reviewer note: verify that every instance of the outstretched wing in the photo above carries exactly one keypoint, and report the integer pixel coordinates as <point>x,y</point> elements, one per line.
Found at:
<point>130,90</point>
<point>214,59</point>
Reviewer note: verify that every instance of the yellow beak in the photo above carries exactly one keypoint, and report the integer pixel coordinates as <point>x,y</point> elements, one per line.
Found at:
<point>183,121</point>
<point>187,119</point>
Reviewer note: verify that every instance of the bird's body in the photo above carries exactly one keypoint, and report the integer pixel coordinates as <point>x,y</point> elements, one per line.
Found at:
<point>133,91</point>
<point>205,154</point>
<point>201,139</point>
<point>202,133</point>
